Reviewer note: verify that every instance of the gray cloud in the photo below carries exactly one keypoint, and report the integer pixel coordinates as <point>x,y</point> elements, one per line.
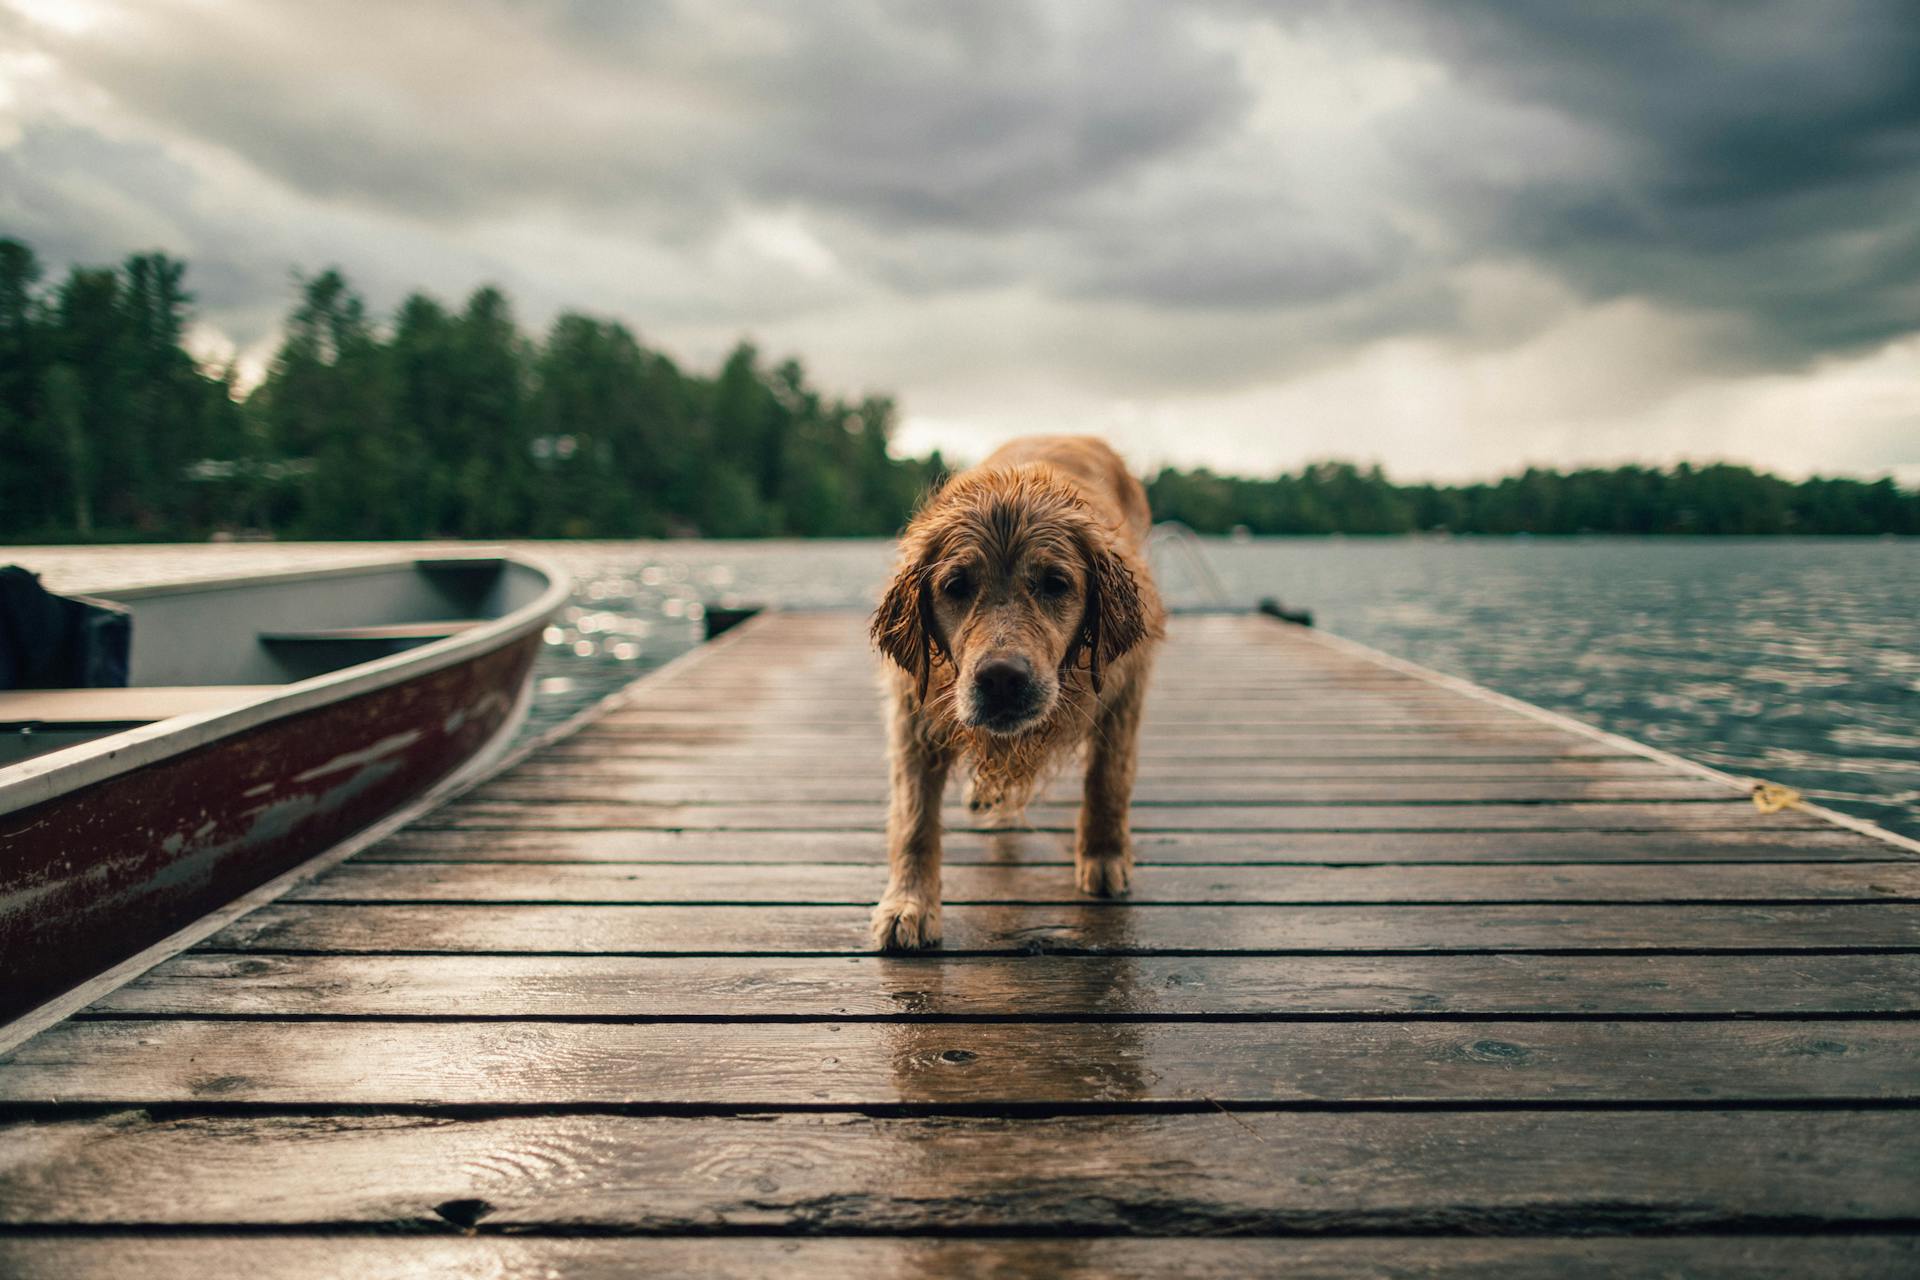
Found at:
<point>78,196</point>
<point>923,113</point>
<point>981,115</point>
<point>1187,195</point>
<point>1764,158</point>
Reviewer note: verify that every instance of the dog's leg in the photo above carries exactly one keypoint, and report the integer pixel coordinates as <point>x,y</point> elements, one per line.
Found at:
<point>908,916</point>
<point>1102,849</point>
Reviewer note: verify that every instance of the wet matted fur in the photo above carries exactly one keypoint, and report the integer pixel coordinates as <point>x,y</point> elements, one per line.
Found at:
<point>1019,627</point>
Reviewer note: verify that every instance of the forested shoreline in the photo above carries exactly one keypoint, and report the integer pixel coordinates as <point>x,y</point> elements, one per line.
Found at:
<point>443,422</point>
<point>1717,499</point>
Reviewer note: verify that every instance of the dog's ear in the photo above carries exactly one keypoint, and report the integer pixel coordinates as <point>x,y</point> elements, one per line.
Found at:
<point>904,626</point>
<point>1115,619</point>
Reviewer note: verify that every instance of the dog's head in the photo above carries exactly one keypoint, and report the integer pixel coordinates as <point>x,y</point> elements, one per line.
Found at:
<point>1010,582</point>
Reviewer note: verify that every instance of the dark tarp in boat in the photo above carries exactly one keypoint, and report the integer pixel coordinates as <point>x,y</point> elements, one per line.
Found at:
<point>58,642</point>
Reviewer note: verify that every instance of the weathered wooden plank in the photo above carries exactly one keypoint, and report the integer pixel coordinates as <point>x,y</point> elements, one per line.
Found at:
<point>482,1257</point>
<point>743,715</point>
<point>1092,927</point>
<point>850,697</point>
<point>1169,847</point>
<point>860,737</point>
<point>1732,814</point>
<point>1277,719</point>
<point>1173,684</point>
<point>841,699</point>
<point>853,685</point>
<point>446,986</point>
<point>843,883</point>
<point>962,1064</point>
<point>1174,674</point>
<point>1264,663</point>
<point>792,751</point>
<point>1152,792</point>
<point>1524,1172</point>
<point>1237,706</point>
<point>721,769</point>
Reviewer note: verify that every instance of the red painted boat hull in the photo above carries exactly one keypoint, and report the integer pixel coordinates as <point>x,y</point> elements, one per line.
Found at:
<point>96,875</point>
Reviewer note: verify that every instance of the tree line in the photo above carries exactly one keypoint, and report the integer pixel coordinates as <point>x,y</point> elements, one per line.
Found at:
<point>440,422</point>
<point>453,422</point>
<point>1338,497</point>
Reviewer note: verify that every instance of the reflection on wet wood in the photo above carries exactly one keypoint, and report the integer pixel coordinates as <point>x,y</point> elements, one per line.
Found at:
<point>1736,814</point>
<point>1530,1172</point>
<point>718,882</point>
<point>1040,848</point>
<point>1411,982</point>
<point>1164,773</point>
<point>1154,791</point>
<point>962,1064</point>
<point>800,752</point>
<point>1092,927</point>
<point>824,987</point>
<point>290,1257</point>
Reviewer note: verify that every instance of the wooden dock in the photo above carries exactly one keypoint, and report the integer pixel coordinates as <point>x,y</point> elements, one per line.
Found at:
<point>1414,981</point>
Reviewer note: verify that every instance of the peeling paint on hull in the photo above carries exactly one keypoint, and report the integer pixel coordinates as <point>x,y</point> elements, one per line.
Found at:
<point>94,876</point>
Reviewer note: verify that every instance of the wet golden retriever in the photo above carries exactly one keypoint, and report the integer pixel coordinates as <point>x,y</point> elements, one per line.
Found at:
<point>1019,625</point>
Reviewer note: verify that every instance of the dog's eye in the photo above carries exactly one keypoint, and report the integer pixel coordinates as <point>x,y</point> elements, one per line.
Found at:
<point>1054,583</point>
<point>957,586</point>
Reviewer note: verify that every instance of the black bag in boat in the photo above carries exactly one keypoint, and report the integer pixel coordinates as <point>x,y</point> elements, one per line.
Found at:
<point>59,642</point>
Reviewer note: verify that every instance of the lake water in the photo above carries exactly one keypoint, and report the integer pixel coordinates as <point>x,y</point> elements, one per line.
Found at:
<point>1796,660</point>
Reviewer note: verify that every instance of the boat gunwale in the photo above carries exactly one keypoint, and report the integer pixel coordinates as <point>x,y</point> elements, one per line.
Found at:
<point>47,777</point>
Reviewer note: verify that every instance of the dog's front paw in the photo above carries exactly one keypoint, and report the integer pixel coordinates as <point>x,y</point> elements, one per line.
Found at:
<point>905,923</point>
<point>981,796</point>
<point>1107,877</point>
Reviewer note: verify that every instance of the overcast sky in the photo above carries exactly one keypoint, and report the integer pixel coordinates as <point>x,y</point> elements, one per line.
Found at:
<point>1451,238</point>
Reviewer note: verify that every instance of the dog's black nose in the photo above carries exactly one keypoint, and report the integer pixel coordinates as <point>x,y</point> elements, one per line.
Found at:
<point>1004,684</point>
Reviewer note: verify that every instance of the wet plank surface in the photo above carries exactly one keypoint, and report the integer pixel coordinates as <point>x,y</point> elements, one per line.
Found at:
<point>717,882</point>
<point>1713,815</point>
<point>1103,928</point>
<point>1208,1171</point>
<point>1412,982</point>
<point>299,1257</point>
<point>956,1064</point>
<point>616,987</point>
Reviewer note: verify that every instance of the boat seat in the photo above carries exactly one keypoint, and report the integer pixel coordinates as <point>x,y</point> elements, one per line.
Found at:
<point>137,705</point>
<point>391,631</point>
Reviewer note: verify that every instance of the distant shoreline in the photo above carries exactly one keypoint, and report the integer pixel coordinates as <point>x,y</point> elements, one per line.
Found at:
<point>108,544</point>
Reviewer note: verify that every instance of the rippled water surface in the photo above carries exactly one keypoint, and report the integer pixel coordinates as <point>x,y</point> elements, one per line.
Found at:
<point>1794,660</point>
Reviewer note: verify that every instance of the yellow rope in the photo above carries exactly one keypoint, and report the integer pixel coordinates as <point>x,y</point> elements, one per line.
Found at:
<point>1771,797</point>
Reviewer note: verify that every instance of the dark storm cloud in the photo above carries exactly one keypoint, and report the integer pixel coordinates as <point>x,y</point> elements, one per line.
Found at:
<point>1756,160</point>
<point>438,111</point>
<point>1766,158</point>
<point>985,115</point>
<point>77,196</point>
<point>1731,102</point>
<point>921,113</point>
